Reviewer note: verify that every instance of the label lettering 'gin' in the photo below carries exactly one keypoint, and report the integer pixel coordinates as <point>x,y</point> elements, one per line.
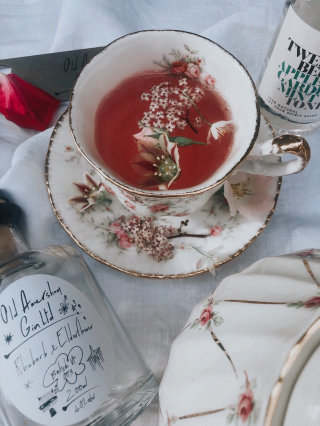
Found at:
<point>54,358</point>
<point>290,86</point>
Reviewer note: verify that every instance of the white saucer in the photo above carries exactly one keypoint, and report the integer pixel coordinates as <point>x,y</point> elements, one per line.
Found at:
<point>89,228</point>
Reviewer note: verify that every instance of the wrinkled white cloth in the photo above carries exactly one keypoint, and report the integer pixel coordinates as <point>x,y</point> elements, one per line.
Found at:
<point>153,311</point>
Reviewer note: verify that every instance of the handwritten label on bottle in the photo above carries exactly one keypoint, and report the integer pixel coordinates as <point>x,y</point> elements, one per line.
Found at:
<point>55,363</point>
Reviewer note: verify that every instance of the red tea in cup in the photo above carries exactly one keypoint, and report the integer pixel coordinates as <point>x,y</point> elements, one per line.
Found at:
<point>164,130</point>
<point>166,116</point>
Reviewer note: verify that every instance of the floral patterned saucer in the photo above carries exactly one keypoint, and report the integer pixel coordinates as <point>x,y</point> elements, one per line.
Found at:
<point>166,247</point>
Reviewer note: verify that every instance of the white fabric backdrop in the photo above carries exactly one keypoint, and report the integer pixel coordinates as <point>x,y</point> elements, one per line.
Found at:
<point>152,310</point>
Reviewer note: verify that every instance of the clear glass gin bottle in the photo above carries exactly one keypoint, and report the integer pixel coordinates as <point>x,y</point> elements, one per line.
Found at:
<point>289,85</point>
<point>65,358</point>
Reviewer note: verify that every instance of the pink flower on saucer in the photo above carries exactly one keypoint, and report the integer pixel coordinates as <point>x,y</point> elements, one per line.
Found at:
<point>116,228</point>
<point>124,241</point>
<point>250,195</point>
<point>215,231</point>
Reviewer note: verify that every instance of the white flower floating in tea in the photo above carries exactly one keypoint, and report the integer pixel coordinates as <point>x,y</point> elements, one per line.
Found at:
<point>170,106</point>
<point>219,129</point>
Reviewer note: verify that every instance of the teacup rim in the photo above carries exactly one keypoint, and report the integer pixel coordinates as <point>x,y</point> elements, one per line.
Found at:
<point>168,193</point>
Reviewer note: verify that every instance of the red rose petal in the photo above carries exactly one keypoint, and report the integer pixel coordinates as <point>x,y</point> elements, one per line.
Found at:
<point>24,104</point>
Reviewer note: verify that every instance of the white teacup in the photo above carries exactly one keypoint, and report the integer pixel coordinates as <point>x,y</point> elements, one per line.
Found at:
<point>138,52</point>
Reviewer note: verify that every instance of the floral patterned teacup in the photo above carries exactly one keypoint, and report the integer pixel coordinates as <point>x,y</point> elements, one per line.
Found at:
<point>190,57</point>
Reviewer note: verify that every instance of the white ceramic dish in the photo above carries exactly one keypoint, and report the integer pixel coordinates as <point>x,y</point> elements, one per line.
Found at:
<point>95,229</point>
<point>238,357</point>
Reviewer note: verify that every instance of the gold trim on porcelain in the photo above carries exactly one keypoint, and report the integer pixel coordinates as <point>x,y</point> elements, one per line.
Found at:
<point>293,144</point>
<point>286,368</point>
<point>308,268</point>
<point>140,274</point>
<point>159,194</point>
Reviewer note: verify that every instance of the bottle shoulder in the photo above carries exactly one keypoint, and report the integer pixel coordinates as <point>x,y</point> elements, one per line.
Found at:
<point>308,11</point>
<point>52,260</point>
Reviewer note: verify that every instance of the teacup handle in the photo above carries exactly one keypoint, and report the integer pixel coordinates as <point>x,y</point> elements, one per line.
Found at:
<point>284,144</point>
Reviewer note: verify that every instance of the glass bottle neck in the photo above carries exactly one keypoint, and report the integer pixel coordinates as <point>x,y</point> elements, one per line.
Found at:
<point>11,242</point>
<point>308,11</point>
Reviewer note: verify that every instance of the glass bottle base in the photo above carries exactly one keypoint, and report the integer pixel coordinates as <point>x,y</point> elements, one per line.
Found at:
<point>282,125</point>
<point>131,405</point>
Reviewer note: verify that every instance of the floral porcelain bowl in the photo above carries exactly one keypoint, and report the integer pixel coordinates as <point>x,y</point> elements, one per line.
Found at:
<point>237,359</point>
<point>191,58</point>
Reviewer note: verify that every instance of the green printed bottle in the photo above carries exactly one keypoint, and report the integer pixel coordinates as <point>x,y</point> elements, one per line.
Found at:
<point>289,85</point>
<point>65,358</point>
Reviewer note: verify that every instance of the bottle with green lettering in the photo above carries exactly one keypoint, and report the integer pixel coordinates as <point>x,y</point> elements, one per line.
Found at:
<point>289,85</point>
<point>65,358</point>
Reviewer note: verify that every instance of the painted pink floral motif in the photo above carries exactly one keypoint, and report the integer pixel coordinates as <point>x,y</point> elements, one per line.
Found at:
<point>207,317</point>
<point>124,241</point>
<point>144,235</point>
<point>107,188</point>
<point>312,303</point>
<point>247,195</point>
<point>188,63</point>
<point>310,254</point>
<point>210,80</point>
<point>158,160</point>
<point>129,205</point>
<point>193,70</point>
<point>91,193</point>
<point>243,411</point>
<point>116,228</point>
<point>215,231</point>
<point>245,405</point>
<point>179,67</point>
<point>159,208</point>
